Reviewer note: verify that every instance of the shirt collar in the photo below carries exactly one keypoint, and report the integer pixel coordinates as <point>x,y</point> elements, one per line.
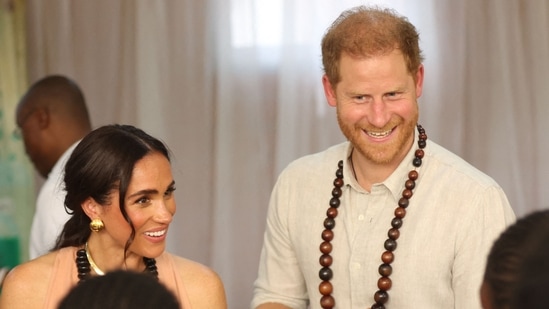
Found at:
<point>395,182</point>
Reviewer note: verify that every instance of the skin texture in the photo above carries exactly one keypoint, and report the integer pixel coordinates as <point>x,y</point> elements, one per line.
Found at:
<point>377,110</point>
<point>150,205</point>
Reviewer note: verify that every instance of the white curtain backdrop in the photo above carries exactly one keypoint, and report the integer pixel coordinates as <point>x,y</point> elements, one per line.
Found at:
<point>233,87</point>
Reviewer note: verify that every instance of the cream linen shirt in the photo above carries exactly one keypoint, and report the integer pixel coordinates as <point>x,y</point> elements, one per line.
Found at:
<point>455,214</point>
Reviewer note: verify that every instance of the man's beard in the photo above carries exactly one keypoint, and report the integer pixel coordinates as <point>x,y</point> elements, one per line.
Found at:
<point>382,153</point>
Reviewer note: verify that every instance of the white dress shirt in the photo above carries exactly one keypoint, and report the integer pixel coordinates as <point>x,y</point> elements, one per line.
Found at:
<point>50,215</point>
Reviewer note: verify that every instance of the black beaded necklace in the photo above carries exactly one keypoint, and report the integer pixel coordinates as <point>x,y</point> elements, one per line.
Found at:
<point>84,266</point>
<point>384,283</point>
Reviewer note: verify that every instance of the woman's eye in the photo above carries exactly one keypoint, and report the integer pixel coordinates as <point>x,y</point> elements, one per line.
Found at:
<point>142,200</point>
<point>169,192</point>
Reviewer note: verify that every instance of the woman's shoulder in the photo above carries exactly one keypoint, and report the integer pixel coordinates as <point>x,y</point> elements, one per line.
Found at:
<point>33,269</point>
<point>193,270</point>
<point>25,285</point>
<point>202,283</point>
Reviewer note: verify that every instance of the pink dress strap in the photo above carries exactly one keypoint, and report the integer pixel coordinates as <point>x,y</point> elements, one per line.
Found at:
<point>64,276</point>
<point>168,274</point>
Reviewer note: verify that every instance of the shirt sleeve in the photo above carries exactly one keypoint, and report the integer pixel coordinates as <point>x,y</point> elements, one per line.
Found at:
<point>484,222</point>
<point>279,277</point>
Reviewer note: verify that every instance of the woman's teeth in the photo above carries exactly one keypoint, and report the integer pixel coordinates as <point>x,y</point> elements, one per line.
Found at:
<point>156,234</point>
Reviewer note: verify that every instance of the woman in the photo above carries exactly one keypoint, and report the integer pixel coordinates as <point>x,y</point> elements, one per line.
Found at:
<point>119,188</point>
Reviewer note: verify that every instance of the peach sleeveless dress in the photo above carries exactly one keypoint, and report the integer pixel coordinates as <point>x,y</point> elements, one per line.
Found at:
<point>65,276</point>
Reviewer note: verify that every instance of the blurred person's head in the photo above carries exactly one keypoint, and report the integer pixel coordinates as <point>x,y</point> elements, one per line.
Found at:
<point>516,258</point>
<point>120,290</point>
<point>50,117</point>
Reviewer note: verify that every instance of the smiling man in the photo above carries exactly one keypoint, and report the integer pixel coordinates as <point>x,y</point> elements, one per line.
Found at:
<point>388,219</point>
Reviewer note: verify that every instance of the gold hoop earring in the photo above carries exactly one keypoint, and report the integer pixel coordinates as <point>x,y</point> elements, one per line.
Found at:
<point>96,225</point>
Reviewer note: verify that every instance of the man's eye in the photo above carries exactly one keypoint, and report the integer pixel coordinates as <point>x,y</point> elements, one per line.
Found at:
<point>393,95</point>
<point>360,98</point>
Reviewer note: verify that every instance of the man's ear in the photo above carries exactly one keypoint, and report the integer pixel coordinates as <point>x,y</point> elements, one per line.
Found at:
<point>91,208</point>
<point>329,91</point>
<point>43,116</point>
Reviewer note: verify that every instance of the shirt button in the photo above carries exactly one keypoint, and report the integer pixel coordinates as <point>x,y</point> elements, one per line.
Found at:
<point>356,266</point>
<point>361,217</point>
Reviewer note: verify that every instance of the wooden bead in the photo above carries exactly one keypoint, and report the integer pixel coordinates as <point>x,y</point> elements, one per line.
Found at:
<point>385,270</point>
<point>327,235</point>
<point>413,175</point>
<point>325,288</point>
<point>325,274</point>
<point>400,212</point>
<point>381,297</point>
<point>387,257</point>
<point>327,302</point>
<point>331,212</point>
<point>329,223</point>
<point>410,184</point>
<point>326,247</point>
<point>390,245</point>
<point>384,283</point>
<point>393,234</point>
<point>326,260</point>
<point>407,194</point>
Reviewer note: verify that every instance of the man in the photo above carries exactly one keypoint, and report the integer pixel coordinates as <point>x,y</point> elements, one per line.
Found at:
<point>51,117</point>
<point>336,217</point>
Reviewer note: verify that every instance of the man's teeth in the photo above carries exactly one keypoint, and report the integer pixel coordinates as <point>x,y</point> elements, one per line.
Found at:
<point>156,234</point>
<point>379,134</point>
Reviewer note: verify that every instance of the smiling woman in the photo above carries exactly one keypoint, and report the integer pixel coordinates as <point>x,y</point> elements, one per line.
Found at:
<point>119,188</point>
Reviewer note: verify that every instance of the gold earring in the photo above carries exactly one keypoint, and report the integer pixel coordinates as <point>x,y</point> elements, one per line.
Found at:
<point>96,225</point>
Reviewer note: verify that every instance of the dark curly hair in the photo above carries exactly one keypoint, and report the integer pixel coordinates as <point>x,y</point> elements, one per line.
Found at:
<point>510,255</point>
<point>120,289</point>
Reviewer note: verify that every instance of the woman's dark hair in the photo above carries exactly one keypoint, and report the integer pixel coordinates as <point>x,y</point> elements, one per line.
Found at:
<point>510,254</point>
<point>102,162</point>
<point>120,290</point>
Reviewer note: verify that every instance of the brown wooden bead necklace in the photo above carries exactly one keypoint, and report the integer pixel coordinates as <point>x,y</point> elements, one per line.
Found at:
<point>384,283</point>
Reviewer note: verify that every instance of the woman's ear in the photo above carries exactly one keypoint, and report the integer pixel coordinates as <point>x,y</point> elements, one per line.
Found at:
<point>91,208</point>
